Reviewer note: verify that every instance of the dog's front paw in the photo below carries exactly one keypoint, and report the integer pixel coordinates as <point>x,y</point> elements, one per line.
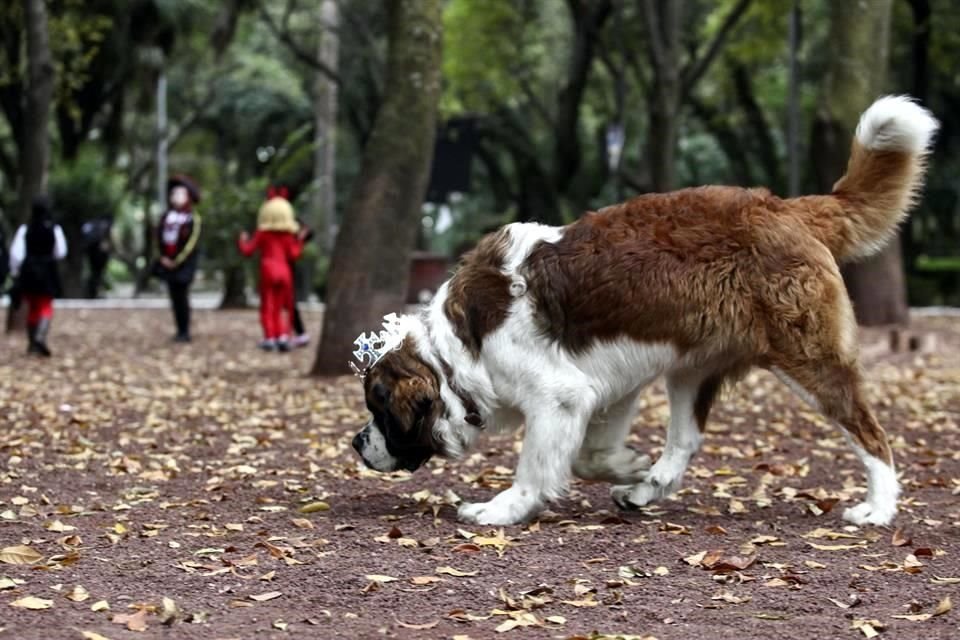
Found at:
<point>504,509</point>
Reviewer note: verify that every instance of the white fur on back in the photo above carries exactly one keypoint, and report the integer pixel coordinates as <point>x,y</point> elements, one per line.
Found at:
<point>524,236</point>
<point>896,123</point>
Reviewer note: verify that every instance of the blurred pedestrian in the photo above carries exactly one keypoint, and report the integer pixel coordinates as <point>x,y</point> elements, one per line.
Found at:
<point>97,246</point>
<point>300,336</point>
<point>36,248</point>
<point>279,241</point>
<point>178,234</point>
<point>4,260</point>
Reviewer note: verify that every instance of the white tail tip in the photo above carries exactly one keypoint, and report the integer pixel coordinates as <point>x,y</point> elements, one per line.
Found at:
<point>896,123</point>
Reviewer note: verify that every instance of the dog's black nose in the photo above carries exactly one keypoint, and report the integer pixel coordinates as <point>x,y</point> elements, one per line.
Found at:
<point>358,441</point>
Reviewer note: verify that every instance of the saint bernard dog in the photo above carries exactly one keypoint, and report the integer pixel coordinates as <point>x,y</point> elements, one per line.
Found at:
<point>560,328</point>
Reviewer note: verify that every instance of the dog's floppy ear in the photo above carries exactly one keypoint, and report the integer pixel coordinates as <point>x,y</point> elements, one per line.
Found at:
<point>381,394</point>
<point>414,401</point>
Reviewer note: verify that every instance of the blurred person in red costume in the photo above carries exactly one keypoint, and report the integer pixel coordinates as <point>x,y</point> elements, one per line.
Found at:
<point>178,234</point>
<point>279,239</point>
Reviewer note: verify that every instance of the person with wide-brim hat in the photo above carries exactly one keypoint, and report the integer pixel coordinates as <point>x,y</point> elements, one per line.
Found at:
<point>178,235</point>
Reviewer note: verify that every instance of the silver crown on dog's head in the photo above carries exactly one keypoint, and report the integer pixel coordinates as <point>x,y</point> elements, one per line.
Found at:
<point>373,346</point>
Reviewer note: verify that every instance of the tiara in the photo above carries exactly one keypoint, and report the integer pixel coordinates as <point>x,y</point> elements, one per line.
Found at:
<point>371,348</point>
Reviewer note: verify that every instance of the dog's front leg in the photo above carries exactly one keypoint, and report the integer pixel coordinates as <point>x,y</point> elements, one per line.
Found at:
<point>550,445</point>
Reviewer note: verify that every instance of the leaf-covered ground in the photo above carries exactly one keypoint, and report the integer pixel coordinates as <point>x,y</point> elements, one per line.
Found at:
<point>209,491</point>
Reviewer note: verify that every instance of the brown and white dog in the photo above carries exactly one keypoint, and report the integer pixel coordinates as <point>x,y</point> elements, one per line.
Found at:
<point>560,328</point>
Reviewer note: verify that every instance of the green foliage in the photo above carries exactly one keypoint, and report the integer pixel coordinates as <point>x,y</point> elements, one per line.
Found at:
<point>230,208</point>
<point>495,50</point>
<point>82,189</point>
<point>76,35</point>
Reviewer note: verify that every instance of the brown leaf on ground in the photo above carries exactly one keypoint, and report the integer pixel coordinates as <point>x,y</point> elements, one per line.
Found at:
<point>900,538</point>
<point>20,554</point>
<point>133,621</point>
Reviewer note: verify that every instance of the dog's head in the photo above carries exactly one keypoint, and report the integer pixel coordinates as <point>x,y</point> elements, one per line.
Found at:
<point>403,395</point>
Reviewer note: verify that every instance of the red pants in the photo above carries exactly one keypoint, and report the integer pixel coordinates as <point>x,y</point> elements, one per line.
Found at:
<point>276,297</point>
<point>38,308</point>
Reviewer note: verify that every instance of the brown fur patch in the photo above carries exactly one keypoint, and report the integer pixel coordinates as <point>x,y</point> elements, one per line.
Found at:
<point>867,204</point>
<point>413,393</point>
<point>681,268</point>
<point>478,295</point>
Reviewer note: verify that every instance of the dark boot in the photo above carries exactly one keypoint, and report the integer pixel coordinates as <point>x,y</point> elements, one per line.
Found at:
<point>32,340</point>
<point>40,338</point>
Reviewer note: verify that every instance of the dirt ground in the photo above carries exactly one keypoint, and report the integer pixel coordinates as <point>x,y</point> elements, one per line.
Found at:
<point>152,490</point>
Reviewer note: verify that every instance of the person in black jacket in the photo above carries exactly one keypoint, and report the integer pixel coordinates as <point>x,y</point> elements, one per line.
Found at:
<point>97,246</point>
<point>33,260</point>
<point>178,233</point>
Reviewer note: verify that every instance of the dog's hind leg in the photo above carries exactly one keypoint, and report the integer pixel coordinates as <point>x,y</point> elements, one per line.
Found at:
<point>604,454</point>
<point>691,394</point>
<point>835,388</point>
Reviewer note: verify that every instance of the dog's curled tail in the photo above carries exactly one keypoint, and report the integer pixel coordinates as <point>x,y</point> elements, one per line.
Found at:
<point>883,180</point>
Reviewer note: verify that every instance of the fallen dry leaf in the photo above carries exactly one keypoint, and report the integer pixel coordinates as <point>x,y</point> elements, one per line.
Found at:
<point>92,635</point>
<point>830,534</point>
<point>169,612</point>
<point>380,579</point>
<point>727,596</point>
<point>314,507</point>
<point>78,594</point>
<point>134,621</point>
<point>263,597</point>
<point>867,627</point>
<point>58,527</point>
<point>409,625</point>
<point>450,571</point>
<point>943,606</point>
<point>20,554</point>
<point>32,602</point>
<point>719,561</point>
<point>10,583</point>
<point>900,539</point>
<point>836,547</point>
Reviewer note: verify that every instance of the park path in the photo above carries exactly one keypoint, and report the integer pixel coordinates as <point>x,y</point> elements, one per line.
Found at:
<point>208,491</point>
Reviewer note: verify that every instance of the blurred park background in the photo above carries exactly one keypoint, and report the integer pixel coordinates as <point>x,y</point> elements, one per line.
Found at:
<point>405,129</point>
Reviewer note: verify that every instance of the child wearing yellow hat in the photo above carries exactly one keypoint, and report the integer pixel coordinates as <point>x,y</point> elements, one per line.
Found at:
<point>280,241</point>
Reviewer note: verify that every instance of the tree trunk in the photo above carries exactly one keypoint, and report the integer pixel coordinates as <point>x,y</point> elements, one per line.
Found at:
<point>920,57</point>
<point>234,288</point>
<point>859,40</point>
<point>371,261</point>
<point>34,152</point>
<point>325,123</point>
<point>662,21</point>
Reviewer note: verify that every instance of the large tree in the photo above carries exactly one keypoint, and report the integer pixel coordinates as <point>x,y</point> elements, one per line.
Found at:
<point>370,268</point>
<point>34,143</point>
<point>674,78</point>
<point>856,73</point>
